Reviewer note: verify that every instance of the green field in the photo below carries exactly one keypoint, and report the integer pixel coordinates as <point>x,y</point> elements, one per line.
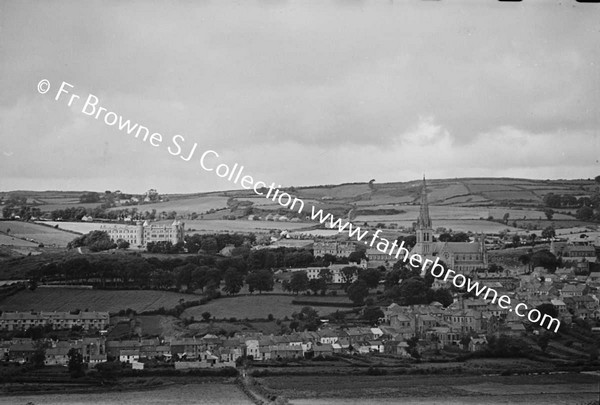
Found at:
<point>185,206</point>
<point>79,227</point>
<point>36,233</point>
<point>12,241</point>
<point>253,307</point>
<point>223,225</point>
<point>69,299</point>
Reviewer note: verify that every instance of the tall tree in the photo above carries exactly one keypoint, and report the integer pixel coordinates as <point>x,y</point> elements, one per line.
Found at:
<point>75,362</point>
<point>299,282</point>
<point>348,274</point>
<point>234,281</point>
<point>316,285</point>
<point>260,280</point>
<point>358,291</point>
<point>370,277</point>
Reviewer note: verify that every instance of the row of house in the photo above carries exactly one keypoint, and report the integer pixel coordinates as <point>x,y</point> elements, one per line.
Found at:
<point>14,321</point>
<point>21,350</point>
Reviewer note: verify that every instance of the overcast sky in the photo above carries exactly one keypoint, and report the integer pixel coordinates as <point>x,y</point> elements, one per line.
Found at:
<point>299,92</point>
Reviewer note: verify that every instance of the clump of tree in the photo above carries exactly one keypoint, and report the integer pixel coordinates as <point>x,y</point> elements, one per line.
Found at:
<point>75,363</point>
<point>299,282</point>
<point>405,286</point>
<point>548,232</point>
<point>306,319</point>
<point>17,206</point>
<point>164,246</point>
<point>234,281</point>
<point>588,207</point>
<point>261,280</point>
<point>89,198</point>
<point>96,241</point>
<point>122,244</point>
<point>504,346</point>
<point>38,358</point>
<point>543,258</point>
<point>454,237</point>
<point>212,243</point>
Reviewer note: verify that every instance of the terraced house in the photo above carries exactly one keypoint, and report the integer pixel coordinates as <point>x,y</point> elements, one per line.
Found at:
<point>58,320</point>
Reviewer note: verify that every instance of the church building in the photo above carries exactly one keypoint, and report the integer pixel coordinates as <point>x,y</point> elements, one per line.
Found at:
<point>462,257</point>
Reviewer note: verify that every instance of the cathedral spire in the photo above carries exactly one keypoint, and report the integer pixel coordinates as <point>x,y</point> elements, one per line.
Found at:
<point>424,221</point>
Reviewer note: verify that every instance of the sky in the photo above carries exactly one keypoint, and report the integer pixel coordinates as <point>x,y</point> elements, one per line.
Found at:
<point>298,92</point>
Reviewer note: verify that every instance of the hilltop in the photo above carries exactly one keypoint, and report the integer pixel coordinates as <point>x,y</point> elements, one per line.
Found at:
<point>463,192</point>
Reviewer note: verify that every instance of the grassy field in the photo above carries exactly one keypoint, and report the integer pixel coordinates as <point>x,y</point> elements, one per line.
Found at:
<point>11,241</point>
<point>69,299</point>
<point>185,206</point>
<point>38,233</point>
<point>216,327</point>
<point>252,307</point>
<point>199,226</point>
<point>160,325</point>
<point>79,227</point>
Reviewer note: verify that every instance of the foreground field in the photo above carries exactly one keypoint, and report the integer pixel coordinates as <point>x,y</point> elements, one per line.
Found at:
<point>443,389</point>
<point>69,299</point>
<point>208,393</point>
<point>253,307</point>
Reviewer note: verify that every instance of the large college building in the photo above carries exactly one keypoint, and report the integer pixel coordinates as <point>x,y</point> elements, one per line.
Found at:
<point>335,248</point>
<point>140,234</point>
<point>463,257</point>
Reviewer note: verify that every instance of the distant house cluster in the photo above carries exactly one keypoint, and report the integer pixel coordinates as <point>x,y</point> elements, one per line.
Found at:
<point>142,233</point>
<point>14,321</point>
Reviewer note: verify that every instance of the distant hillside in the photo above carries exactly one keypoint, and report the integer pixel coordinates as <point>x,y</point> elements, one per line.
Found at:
<point>464,192</point>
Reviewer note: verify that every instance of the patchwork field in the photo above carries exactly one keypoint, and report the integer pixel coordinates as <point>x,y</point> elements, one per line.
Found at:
<point>253,307</point>
<point>69,299</point>
<point>185,206</point>
<point>465,225</point>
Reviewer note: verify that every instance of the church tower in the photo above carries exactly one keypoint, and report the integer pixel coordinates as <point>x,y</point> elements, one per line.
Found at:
<point>424,230</point>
